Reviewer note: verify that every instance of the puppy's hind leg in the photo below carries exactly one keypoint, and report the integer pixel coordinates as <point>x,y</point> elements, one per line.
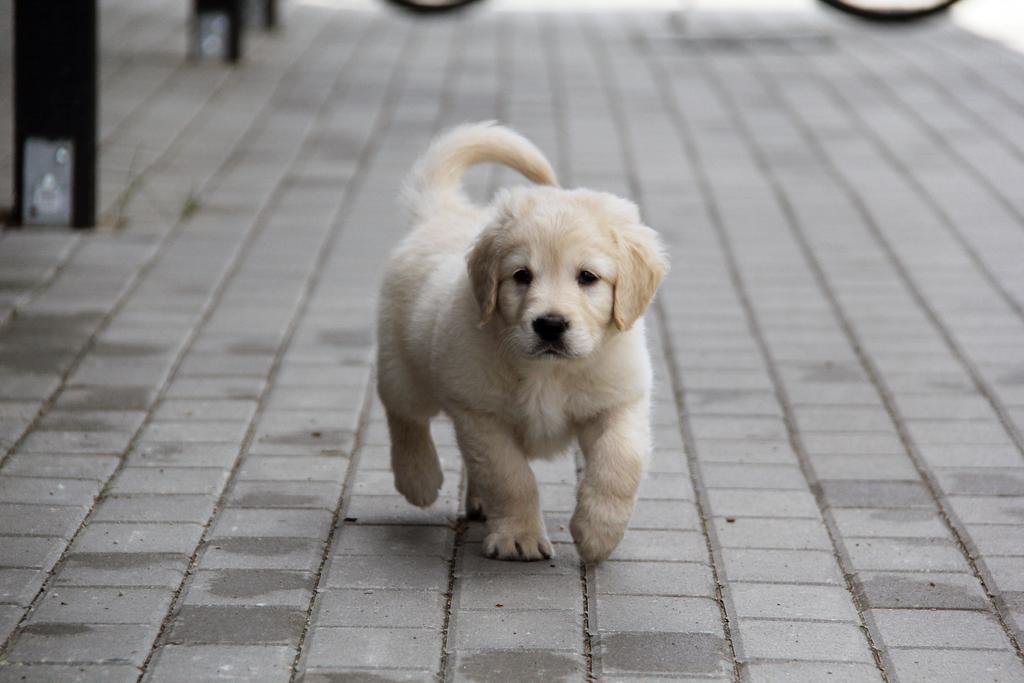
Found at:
<point>414,460</point>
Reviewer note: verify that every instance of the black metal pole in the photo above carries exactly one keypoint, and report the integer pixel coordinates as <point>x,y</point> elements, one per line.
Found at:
<point>217,27</point>
<point>55,108</point>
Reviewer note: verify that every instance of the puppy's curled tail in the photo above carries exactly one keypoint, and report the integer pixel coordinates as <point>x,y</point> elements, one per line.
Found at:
<point>437,176</point>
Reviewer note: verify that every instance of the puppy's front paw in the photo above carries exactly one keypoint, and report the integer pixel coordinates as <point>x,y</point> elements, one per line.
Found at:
<point>525,546</point>
<point>419,480</point>
<point>596,536</point>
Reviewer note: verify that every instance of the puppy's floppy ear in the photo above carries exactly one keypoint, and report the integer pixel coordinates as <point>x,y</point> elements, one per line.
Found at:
<point>482,264</point>
<point>642,267</point>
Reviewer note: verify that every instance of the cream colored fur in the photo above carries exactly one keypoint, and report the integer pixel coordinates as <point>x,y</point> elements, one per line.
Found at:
<point>455,336</point>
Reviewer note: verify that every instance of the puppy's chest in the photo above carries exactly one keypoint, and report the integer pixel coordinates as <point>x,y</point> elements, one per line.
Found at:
<point>543,413</point>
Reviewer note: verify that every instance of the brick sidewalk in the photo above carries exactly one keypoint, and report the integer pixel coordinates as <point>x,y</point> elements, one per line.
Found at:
<point>194,480</point>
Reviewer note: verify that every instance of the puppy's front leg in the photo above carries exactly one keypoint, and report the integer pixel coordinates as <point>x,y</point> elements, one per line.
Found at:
<point>503,481</point>
<point>615,446</point>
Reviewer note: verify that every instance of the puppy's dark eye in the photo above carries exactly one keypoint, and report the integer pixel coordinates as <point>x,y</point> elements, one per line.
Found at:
<point>586,278</point>
<point>523,276</point>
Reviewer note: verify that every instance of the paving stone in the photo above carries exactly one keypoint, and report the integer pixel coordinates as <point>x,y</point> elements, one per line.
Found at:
<point>73,605</point>
<point>99,537</point>
<point>63,642</point>
<point>636,613</point>
<point>909,522</point>
<point>413,573</point>
<point>397,510</point>
<point>803,640</point>
<point>183,454</point>
<point>169,480</point>
<point>262,553</point>
<point>664,653</point>
<point>285,494</point>
<point>237,388</point>
<point>92,420</point>
<point>76,442</point>
<point>293,468</point>
<point>237,625</point>
<point>668,546</point>
<point>502,629</point>
<point>862,468</point>
<point>195,431</point>
<point>41,520</point>
<point>811,672</point>
<point>528,592</point>
<point>779,601</point>
<point>68,673</point>
<point>961,665</point>
<point>138,569</point>
<point>391,540</point>
<point>1001,539</point>
<point>658,578</point>
<point>905,554</point>
<point>942,629</point>
<point>185,509</point>
<point>784,566</point>
<point>263,522</point>
<point>94,467</point>
<point>512,665</point>
<point>199,410</point>
<point>19,586</point>
<point>933,590</point>
<point>35,491</point>
<point>28,552</point>
<point>747,503</point>
<point>783,534</point>
<point>876,494</point>
<point>373,647</point>
<point>107,397</point>
<point>380,608</point>
<point>987,509</point>
<point>225,662</point>
<point>750,476</point>
<point>250,587</point>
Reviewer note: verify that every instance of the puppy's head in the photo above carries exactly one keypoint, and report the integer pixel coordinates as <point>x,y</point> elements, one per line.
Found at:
<point>558,271</point>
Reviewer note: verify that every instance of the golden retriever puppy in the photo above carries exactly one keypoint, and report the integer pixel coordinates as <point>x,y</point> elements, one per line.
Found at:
<point>522,322</point>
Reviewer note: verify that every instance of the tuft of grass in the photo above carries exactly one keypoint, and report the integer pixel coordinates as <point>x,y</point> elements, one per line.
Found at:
<point>190,205</point>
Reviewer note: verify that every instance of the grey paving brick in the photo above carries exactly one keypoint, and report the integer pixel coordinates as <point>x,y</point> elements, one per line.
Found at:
<point>128,537</point>
<point>138,569</point>
<point>636,613</point>
<point>392,540</point>
<point>361,607</point>
<point>931,665</point>
<point>784,566</point>
<point>802,640</point>
<point>225,662</point>
<point>810,672</point>
<point>678,654</point>
<point>909,522</point>
<point>905,554</point>
<point>71,673</point>
<point>783,534</point>
<point>92,420</point>
<point>751,476</point>
<point>251,587</point>
<point>671,546</point>
<point>236,625</point>
<point>293,468</point>
<point>933,590</point>
<point>414,573</point>
<point>37,551</point>
<point>528,592</point>
<point>200,410</point>
<point>269,522</point>
<point>941,629</point>
<point>397,510</point>
<point>32,490</point>
<point>236,388</point>
<point>337,646</point>
<point>657,578</point>
<point>169,480</point>
<point>195,431</point>
<point>779,601</point>
<point>506,665</point>
<point>747,503</point>
<point>498,628</point>
<point>19,586</point>
<point>185,508</point>
<point>887,468</point>
<point>183,454</point>
<point>62,642</point>
<point>73,605</point>
<point>257,552</point>
<point>286,494</point>
<point>997,539</point>
<point>75,442</point>
<point>95,467</point>
<point>40,520</point>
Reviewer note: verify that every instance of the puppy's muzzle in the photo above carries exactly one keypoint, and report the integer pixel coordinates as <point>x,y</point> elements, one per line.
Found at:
<point>550,328</point>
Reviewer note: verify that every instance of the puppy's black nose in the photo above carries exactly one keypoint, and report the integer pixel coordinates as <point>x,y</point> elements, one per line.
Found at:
<point>550,327</point>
